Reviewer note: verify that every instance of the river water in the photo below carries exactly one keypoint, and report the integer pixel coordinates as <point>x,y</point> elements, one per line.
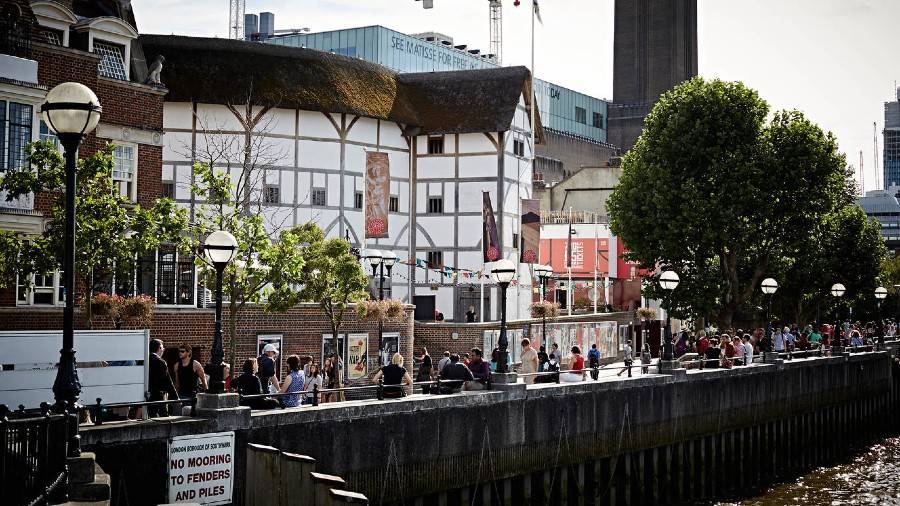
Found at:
<point>870,475</point>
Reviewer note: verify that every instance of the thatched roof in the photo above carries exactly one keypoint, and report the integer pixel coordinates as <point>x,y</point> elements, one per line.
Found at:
<point>229,71</point>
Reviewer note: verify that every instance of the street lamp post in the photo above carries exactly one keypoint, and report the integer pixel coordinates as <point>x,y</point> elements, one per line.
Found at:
<point>880,294</point>
<point>376,258</point>
<point>668,280</point>
<point>220,247</point>
<point>543,272</point>
<point>387,260</point>
<point>503,272</point>
<point>72,111</point>
<point>837,291</point>
<point>769,286</point>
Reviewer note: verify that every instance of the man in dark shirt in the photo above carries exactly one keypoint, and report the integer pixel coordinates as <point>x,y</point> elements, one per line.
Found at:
<point>470,315</point>
<point>160,382</point>
<point>454,375</point>
<point>480,369</point>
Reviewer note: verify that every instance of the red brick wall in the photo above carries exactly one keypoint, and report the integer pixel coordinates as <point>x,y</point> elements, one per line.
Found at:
<point>302,328</point>
<point>438,337</point>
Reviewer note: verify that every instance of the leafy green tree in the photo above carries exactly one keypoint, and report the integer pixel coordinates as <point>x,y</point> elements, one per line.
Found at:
<point>714,193</point>
<point>262,269</point>
<point>331,276</point>
<point>111,232</point>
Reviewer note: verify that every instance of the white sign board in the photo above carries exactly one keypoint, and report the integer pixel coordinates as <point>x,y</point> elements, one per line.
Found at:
<point>201,468</point>
<point>111,365</point>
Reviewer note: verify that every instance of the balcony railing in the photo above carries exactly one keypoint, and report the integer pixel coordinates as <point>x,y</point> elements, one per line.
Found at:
<point>574,217</point>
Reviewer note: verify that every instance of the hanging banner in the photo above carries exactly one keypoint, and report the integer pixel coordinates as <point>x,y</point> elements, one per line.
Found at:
<point>531,231</point>
<point>490,239</point>
<point>378,193</point>
<point>357,356</point>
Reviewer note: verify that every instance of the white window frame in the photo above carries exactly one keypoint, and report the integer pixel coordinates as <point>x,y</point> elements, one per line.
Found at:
<point>132,195</point>
<point>34,98</point>
<point>56,289</point>
<point>111,30</point>
<point>54,16</point>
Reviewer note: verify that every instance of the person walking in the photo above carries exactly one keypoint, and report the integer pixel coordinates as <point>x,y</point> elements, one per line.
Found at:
<point>293,383</point>
<point>395,377</point>
<point>529,361</point>
<point>629,359</point>
<point>160,381</point>
<point>189,375</point>
<point>594,361</point>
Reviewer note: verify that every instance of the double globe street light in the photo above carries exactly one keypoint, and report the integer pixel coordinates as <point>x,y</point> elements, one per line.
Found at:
<point>379,260</point>
<point>220,248</point>
<point>503,272</point>
<point>71,111</point>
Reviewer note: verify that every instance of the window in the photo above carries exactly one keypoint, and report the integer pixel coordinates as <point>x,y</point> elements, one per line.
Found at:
<point>124,172</point>
<point>15,133</point>
<point>41,290</point>
<point>271,194</point>
<point>112,60</point>
<point>52,36</point>
<point>318,197</point>
<point>394,204</point>
<point>518,147</point>
<point>515,240</point>
<point>168,190</point>
<point>436,145</point>
<point>435,204</point>
<point>598,120</point>
<point>435,259</point>
<point>580,115</point>
<point>48,135</point>
<point>358,200</point>
<point>174,277</point>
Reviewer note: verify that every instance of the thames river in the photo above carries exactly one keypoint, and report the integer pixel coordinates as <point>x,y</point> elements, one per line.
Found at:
<point>870,476</point>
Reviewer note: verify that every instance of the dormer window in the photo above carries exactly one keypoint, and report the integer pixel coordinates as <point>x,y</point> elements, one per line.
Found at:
<point>54,20</point>
<point>112,60</point>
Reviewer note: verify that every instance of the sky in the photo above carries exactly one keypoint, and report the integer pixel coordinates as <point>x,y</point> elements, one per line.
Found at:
<point>835,60</point>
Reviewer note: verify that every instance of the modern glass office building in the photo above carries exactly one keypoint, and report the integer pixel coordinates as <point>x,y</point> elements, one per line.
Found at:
<point>561,108</point>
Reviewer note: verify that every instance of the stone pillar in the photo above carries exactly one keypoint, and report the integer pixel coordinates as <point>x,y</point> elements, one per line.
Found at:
<point>263,475</point>
<point>322,484</point>
<point>296,482</point>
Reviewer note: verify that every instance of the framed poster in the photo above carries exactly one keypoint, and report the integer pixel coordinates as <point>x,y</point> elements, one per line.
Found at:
<point>261,341</point>
<point>357,356</point>
<point>391,342</point>
<point>329,347</point>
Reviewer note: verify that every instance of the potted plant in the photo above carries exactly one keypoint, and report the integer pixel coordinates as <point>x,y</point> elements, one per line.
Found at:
<point>104,304</point>
<point>138,308</point>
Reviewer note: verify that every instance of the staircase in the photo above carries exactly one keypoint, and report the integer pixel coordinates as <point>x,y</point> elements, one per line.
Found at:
<point>88,484</point>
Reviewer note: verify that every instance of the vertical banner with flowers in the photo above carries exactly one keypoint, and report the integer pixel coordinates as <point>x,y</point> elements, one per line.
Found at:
<point>531,231</point>
<point>490,241</point>
<point>378,193</point>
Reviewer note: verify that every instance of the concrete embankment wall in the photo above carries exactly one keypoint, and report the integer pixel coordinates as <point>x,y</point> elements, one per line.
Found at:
<point>650,439</point>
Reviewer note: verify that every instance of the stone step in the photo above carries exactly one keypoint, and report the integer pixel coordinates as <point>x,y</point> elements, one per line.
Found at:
<point>96,490</point>
<point>82,468</point>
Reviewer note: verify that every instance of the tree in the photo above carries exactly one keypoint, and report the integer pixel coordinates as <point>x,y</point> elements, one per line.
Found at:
<point>332,276</point>
<point>111,232</point>
<point>261,268</point>
<point>712,192</point>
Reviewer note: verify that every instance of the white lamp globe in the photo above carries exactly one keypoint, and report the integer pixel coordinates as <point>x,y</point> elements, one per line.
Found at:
<point>374,256</point>
<point>769,286</point>
<point>71,108</point>
<point>542,270</point>
<point>881,293</point>
<point>668,280</point>
<point>503,271</point>
<point>838,290</point>
<point>388,258</point>
<point>220,247</point>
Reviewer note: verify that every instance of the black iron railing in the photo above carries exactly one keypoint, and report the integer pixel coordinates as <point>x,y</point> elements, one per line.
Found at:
<point>33,458</point>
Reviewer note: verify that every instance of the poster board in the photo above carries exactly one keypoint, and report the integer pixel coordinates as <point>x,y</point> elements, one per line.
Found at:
<point>357,356</point>
<point>391,342</point>
<point>490,339</point>
<point>201,468</point>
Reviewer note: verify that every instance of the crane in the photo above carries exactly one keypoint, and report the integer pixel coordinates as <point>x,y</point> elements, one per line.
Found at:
<point>236,10</point>
<point>496,12</point>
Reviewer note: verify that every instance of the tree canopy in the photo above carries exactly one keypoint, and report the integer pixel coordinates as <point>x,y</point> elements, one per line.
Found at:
<point>715,192</point>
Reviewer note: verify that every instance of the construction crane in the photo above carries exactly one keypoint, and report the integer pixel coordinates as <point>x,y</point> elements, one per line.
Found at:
<point>236,10</point>
<point>496,7</point>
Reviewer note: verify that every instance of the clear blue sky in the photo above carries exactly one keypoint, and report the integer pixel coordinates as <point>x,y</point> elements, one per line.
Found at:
<point>836,60</point>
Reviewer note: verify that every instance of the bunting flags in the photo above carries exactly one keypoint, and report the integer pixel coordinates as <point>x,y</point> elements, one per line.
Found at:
<point>490,238</point>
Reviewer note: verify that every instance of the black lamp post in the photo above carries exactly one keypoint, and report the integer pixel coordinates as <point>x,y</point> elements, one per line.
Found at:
<point>72,111</point>
<point>668,280</point>
<point>543,272</point>
<point>769,286</point>
<point>837,291</point>
<point>503,273</point>
<point>377,259</point>
<point>220,248</point>
<point>880,294</point>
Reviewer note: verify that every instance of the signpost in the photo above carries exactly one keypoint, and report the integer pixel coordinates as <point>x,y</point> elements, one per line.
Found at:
<point>201,468</point>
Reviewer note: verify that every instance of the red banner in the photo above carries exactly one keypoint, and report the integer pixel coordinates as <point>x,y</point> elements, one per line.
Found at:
<point>585,252</point>
<point>378,193</point>
<point>490,240</point>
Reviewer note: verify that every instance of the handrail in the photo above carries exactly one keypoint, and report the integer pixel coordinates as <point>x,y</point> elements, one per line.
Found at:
<point>33,455</point>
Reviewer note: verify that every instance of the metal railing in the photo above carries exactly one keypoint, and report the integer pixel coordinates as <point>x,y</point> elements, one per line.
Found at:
<point>33,458</point>
<point>148,409</point>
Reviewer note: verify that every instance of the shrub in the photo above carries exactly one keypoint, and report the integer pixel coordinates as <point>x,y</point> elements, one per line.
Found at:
<point>104,304</point>
<point>646,313</point>
<point>544,309</point>
<point>381,310</point>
